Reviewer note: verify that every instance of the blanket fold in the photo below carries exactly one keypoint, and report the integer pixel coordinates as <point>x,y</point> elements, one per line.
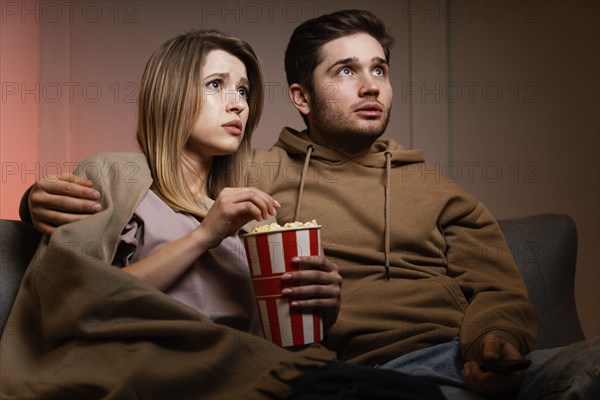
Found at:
<point>82,329</point>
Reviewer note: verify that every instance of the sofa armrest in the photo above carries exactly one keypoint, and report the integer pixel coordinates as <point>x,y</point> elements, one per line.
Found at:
<point>18,243</point>
<point>545,249</point>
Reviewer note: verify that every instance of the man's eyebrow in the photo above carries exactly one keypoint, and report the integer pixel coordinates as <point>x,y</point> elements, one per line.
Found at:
<point>350,60</point>
<point>379,60</point>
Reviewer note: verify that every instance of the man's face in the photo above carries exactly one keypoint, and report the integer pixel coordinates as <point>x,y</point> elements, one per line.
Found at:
<point>352,97</point>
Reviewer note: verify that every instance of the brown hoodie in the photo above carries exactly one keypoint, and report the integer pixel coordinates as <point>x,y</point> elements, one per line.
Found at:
<point>423,262</point>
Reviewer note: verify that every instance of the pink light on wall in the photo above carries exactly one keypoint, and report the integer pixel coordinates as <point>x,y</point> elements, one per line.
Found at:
<point>19,109</point>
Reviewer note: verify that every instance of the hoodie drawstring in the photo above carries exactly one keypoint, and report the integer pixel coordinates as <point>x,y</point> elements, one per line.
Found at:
<point>388,167</point>
<point>309,149</point>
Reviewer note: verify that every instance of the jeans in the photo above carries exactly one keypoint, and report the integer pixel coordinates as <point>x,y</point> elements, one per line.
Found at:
<point>569,373</point>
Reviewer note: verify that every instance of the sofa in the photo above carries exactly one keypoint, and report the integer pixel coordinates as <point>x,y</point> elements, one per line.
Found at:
<point>544,247</point>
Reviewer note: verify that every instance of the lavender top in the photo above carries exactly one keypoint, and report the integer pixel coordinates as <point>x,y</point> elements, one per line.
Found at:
<point>218,284</point>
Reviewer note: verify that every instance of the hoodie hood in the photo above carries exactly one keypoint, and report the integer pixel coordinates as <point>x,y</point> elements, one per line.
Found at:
<point>383,154</point>
<point>294,142</point>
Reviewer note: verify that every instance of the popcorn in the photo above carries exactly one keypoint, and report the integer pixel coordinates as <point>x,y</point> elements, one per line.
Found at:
<point>290,225</point>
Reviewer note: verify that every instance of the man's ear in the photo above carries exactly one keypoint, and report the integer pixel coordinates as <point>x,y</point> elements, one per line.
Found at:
<point>300,98</point>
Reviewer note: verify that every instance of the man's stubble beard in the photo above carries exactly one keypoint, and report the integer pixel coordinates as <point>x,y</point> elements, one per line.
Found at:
<point>338,133</point>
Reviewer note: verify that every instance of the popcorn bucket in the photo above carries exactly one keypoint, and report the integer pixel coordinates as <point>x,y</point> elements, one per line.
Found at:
<point>269,257</point>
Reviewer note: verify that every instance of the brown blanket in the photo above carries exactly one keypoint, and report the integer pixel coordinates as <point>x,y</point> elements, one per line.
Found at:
<point>82,329</point>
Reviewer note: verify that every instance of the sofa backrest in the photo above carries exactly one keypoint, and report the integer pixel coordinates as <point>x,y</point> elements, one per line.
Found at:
<point>544,247</point>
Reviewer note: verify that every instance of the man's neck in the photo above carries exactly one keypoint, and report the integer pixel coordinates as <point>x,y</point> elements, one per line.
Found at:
<point>348,149</point>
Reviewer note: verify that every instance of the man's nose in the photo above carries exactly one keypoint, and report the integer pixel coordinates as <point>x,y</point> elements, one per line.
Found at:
<point>369,86</point>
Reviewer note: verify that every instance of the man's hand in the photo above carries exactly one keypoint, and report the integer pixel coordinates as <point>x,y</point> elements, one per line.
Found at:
<point>316,284</point>
<point>56,200</point>
<point>491,384</point>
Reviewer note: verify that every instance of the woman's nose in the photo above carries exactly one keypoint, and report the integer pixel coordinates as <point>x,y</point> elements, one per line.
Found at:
<point>235,102</point>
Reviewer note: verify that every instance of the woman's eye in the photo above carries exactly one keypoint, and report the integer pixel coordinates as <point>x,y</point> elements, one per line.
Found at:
<point>214,85</point>
<point>243,92</point>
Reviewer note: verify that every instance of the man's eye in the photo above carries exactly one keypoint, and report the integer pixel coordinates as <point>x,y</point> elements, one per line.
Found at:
<point>379,71</point>
<point>344,72</point>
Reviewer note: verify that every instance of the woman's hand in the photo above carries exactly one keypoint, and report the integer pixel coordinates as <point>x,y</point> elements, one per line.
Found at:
<point>316,284</point>
<point>233,208</point>
<point>56,200</point>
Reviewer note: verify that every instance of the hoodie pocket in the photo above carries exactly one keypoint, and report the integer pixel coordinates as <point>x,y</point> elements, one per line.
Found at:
<point>454,290</point>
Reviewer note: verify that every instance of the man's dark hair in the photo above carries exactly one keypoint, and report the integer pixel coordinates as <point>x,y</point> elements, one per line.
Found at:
<point>303,51</point>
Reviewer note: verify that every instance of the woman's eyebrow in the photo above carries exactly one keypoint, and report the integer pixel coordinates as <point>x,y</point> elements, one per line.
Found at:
<point>244,81</point>
<point>225,76</point>
<point>222,75</point>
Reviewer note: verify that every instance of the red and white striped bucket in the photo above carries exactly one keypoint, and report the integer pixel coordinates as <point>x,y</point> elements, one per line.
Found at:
<point>269,256</point>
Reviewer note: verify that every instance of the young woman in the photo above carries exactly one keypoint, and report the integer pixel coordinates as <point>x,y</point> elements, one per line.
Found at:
<point>200,99</point>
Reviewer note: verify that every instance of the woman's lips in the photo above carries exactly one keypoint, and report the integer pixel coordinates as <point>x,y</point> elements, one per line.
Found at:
<point>234,127</point>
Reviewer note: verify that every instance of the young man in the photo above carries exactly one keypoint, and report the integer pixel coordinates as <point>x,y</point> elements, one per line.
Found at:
<point>430,286</point>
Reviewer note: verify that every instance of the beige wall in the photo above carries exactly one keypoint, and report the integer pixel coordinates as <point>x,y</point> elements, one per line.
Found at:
<point>503,93</point>
<point>531,132</point>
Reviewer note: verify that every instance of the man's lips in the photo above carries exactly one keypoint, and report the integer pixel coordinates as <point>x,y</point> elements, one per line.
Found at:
<point>369,110</point>
<point>233,126</point>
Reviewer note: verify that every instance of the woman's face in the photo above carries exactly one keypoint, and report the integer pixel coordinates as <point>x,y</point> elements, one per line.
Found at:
<point>220,126</point>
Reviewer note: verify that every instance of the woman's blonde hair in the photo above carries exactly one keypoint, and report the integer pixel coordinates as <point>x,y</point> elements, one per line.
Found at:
<point>169,104</point>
